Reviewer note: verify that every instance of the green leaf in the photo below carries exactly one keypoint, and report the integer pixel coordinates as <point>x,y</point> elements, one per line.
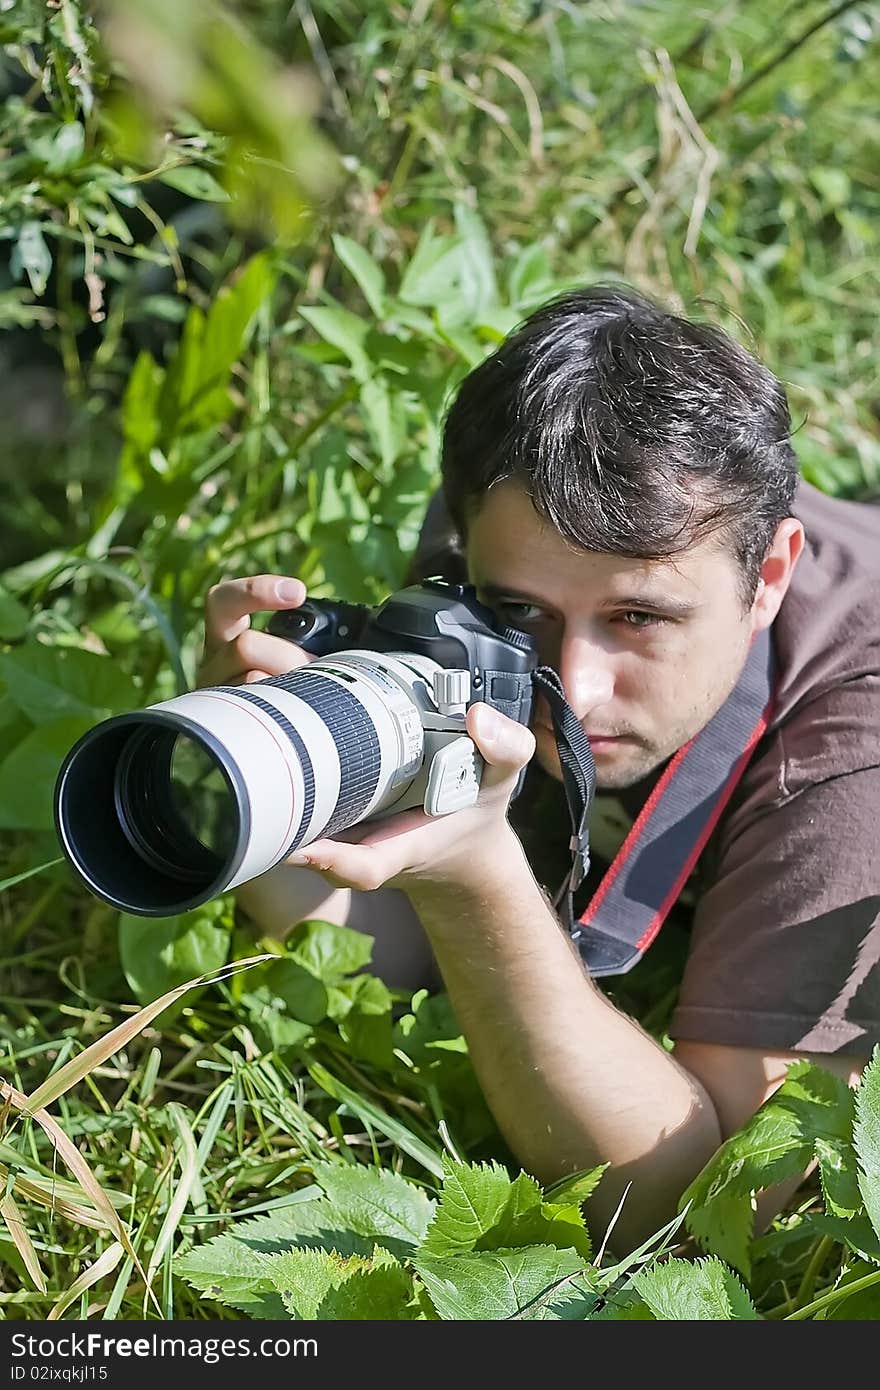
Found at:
<point>345,331</point>
<point>531,278</point>
<point>380,1294</point>
<point>431,270</point>
<point>14,618</point>
<point>528,1220</point>
<point>377,1204</point>
<point>864,1304</point>
<point>140,404</point>
<point>777,1143</point>
<point>303,994</point>
<point>471,1203</point>
<point>67,148</point>
<point>833,184</point>
<point>477,268</point>
<point>317,1284</point>
<point>329,951</point>
<point>159,953</point>
<point>232,1273</point>
<point>48,683</point>
<point>500,1284</point>
<point>866,1138</point>
<point>195,183</point>
<point>28,774</point>
<point>839,1174</point>
<point>31,255</point>
<point>385,417</point>
<point>367,272</point>
<point>577,1188</point>
<point>700,1290</point>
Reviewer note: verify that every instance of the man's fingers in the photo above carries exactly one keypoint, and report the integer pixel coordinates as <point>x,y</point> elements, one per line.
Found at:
<point>249,652</point>
<point>504,745</point>
<point>228,605</point>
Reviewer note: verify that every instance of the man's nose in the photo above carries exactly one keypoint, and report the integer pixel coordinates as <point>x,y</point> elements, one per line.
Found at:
<point>587,675</point>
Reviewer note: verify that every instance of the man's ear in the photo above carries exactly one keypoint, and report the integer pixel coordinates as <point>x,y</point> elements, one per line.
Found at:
<point>776,572</point>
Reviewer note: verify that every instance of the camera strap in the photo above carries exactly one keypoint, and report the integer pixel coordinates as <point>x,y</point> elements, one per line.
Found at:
<point>649,871</point>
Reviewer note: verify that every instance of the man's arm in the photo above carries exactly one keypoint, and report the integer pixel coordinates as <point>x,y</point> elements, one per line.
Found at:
<point>571,1081</point>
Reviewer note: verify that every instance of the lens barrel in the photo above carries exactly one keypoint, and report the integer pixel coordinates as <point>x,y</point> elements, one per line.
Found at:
<point>162,809</point>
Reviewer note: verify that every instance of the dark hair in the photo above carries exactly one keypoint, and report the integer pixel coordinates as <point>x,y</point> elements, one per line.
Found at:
<point>634,431</point>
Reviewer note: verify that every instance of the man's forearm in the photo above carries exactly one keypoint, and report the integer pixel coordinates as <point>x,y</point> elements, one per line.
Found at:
<point>571,1081</point>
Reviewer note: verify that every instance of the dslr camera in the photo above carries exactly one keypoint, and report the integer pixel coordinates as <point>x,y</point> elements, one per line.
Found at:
<point>161,809</point>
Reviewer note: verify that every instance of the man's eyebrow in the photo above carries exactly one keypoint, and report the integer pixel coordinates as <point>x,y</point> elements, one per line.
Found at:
<point>658,603</point>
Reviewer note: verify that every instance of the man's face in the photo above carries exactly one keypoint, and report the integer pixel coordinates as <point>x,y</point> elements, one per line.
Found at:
<point>648,650</point>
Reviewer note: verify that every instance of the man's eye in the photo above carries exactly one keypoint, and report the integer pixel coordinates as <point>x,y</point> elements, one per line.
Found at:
<point>637,619</point>
<point>517,613</point>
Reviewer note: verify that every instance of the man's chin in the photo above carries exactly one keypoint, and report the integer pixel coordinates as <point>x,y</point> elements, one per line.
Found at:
<point>616,769</point>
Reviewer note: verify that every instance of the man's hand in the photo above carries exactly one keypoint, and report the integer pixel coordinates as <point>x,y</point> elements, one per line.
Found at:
<point>412,850</point>
<point>234,653</point>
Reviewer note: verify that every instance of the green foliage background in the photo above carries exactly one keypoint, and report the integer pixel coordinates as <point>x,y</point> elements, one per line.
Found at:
<point>247,252</point>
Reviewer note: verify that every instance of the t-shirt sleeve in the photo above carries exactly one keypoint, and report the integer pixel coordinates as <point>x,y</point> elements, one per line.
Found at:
<point>785,951</point>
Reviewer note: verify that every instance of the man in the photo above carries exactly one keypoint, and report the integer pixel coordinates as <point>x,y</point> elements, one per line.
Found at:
<point>620,483</point>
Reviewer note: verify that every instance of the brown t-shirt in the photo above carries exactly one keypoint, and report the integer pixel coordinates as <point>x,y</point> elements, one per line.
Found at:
<point>784,945</point>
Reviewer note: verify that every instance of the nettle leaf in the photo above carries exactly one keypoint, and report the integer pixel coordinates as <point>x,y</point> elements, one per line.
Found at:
<point>839,1175</point>
<point>49,683</point>
<point>864,1304</point>
<point>700,1290</point>
<point>577,1188</point>
<point>329,951</point>
<point>471,1203</point>
<point>325,1286</point>
<point>528,1220</point>
<point>534,1283</point>
<point>28,773</point>
<point>376,1203</point>
<point>777,1143</point>
<point>234,1274</point>
<point>866,1138</point>
<point>857,1234</point>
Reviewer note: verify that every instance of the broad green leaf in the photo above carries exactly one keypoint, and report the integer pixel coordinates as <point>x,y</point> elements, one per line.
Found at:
<point>528,1220</point>
<point>385,417</point>
<point>329,951</point>
<point>370,1295</point>
<point>839,1174</point>
<point>866,1138</point>
<point>50,683</point>
<point>577,1188</point>
<point>195,182</point>
<point>864,1304</point>
<point>226,332</point>
<point>28,774</point>
<point>367,272</point>
<point>682,1290</point>
<point>159,953</point>
<point>427,274</point>
<point>531,278</point>
<point>833,184</point>
<point>303,994</point>
<point>477,265</point>
<point>232,1273</point>
<point>345,331</point>
<point>316,1284</point>
<point>14,618</point>
<point>378,1204</point>
<point>366,1024</point>
<point>500,1284</point>
<point>778,1142</point>
<point>857,1234</point>
<point>471,1203</point>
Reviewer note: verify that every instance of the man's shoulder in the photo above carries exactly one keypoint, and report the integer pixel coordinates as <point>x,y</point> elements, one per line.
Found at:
<point>827,633</point>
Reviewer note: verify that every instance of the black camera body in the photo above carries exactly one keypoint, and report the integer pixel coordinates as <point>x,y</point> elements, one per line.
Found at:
<point>436,619</point>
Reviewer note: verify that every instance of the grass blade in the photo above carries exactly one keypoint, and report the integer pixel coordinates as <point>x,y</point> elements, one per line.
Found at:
<point>104,1264</point>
